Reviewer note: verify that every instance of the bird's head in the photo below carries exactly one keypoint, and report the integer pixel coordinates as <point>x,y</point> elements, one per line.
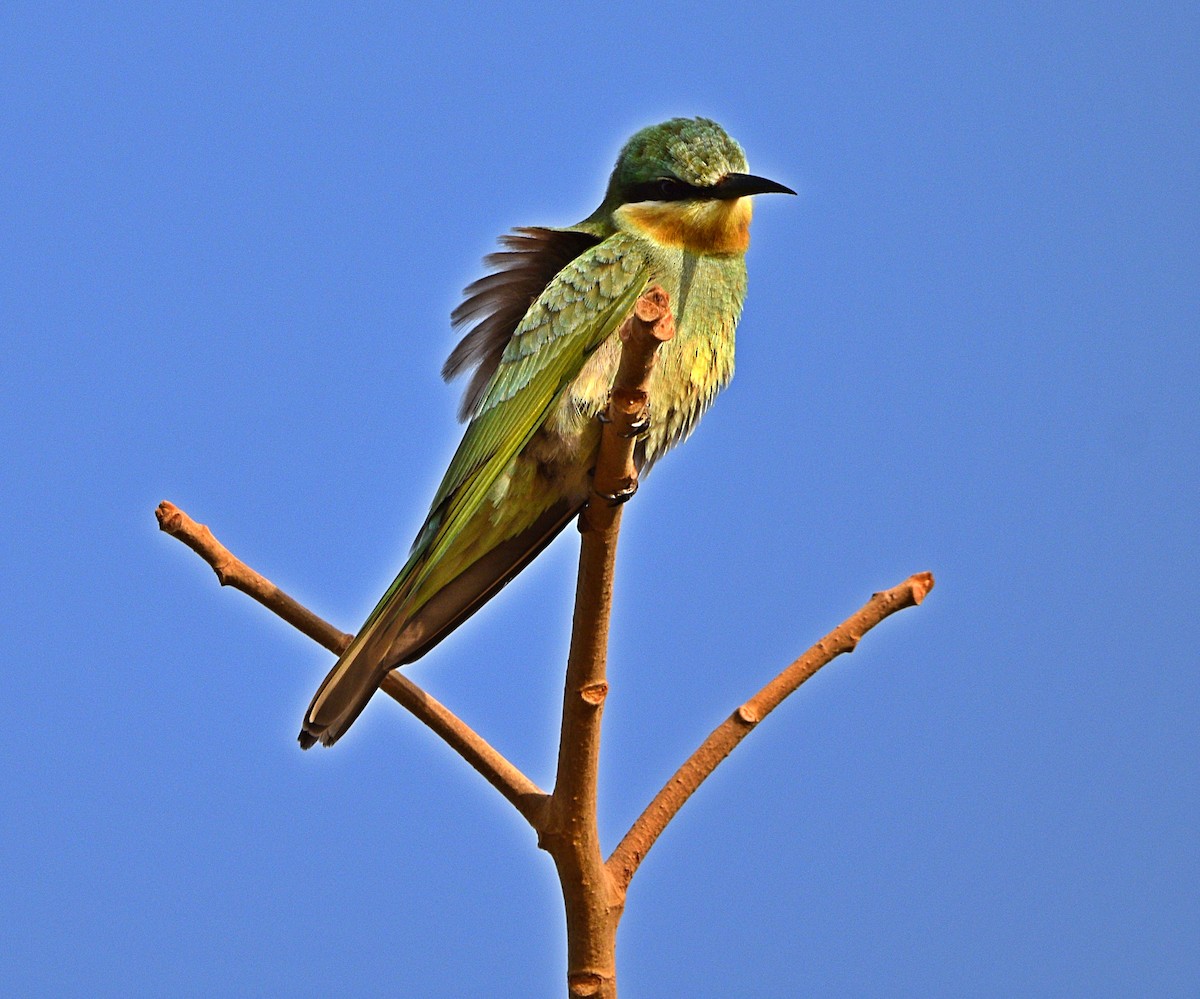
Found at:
<point>685,184</point>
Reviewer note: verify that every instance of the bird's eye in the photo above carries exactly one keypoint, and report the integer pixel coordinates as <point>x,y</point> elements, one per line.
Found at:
<point>669,189</point>
<point>660,189</point>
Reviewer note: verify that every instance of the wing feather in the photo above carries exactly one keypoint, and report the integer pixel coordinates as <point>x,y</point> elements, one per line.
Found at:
<point>582,306</point>
<point>441,584</point>
<point>499,301</point>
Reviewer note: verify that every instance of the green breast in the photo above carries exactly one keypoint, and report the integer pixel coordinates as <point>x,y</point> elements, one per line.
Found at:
<point>706,300</point>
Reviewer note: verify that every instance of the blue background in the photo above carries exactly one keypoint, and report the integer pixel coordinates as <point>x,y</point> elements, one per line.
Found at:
<point>232,237</point>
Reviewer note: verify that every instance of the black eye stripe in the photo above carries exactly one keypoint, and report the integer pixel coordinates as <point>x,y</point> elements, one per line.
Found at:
<point>665,189</point>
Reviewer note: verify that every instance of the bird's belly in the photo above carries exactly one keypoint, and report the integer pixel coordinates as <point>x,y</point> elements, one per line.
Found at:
<point>689,371</point>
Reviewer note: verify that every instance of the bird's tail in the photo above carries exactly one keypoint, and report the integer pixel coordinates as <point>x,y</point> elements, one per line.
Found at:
<point>407,624</point>
<point>349,686</point>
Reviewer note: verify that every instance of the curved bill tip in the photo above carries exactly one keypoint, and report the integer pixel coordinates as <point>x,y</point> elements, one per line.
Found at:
<point>740,185</point>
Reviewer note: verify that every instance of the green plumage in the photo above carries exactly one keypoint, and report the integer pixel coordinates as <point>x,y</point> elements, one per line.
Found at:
<point>545,354</point>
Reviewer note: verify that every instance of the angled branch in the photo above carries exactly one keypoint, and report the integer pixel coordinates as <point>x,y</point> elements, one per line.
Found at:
<point>232,571</point>
<point>632,850</point>
<point>524,795</point>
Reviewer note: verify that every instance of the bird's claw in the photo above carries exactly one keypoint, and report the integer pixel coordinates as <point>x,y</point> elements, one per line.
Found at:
<point>619,496</point>
<point>639,429</point>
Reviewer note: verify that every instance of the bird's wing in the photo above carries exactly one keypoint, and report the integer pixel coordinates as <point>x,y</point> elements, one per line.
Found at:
<point>497,303</point>
<point>581,307</point>
<point>578,310</point>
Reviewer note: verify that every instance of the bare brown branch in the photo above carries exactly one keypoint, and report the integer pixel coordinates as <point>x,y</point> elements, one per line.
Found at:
<point>649,826</point>
<point>525,795</point>
<point>593,900</point>
<point>231,571</point>
<point>593,890</point>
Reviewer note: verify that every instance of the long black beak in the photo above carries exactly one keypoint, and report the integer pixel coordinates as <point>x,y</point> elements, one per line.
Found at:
<point>739,185</point>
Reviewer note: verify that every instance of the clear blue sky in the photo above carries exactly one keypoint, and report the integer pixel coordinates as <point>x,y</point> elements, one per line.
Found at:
<point>232,238</point>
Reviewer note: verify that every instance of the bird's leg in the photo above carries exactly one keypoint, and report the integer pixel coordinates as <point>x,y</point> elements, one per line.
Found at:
<point>625,417</point>
<point>638,430</point>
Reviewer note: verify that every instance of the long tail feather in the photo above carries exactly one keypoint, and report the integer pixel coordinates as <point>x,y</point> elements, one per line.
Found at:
<point>391,639</point>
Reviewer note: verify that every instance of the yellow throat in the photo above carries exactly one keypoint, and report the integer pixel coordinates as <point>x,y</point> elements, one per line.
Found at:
<point>708,227</point>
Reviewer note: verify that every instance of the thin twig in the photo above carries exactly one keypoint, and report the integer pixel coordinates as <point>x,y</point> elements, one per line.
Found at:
<point>523,793</point>
<point>632,850</point>
<point>232,571</point>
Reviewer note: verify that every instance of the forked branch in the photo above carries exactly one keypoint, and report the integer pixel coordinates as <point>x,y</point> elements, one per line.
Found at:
<point>593,889</point>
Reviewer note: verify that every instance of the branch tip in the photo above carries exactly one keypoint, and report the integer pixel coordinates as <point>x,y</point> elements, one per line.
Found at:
<point>652,317</point>
<point>920,584</point>
<point>163,512</point>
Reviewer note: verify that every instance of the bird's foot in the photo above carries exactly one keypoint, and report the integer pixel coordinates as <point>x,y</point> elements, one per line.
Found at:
<point>619,496</point>
<point>639,429</point>
<point>622,494</point>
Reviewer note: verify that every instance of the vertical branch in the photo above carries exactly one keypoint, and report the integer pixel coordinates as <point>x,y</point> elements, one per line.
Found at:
<point>593,899</point>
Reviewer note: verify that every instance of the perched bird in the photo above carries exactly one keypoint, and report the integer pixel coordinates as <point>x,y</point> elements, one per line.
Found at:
<point>543,347</point>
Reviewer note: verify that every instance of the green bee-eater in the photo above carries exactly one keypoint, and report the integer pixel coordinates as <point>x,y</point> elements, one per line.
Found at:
<point>542,343</point>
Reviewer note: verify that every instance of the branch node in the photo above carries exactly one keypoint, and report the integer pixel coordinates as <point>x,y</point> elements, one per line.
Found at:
<point>629,401</point>
<point>585,984</point>
<point>594,693</point>
<point>748,716</point>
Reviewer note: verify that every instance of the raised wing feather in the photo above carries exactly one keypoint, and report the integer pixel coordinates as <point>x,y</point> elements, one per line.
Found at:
<point>497,303</point>
<point>579,310</point>
<point>581,307</point>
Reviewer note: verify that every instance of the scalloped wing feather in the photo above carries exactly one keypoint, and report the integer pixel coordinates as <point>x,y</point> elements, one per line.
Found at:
<point>497,303</point>
<point>583,305</point>
<point>579,310</point>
